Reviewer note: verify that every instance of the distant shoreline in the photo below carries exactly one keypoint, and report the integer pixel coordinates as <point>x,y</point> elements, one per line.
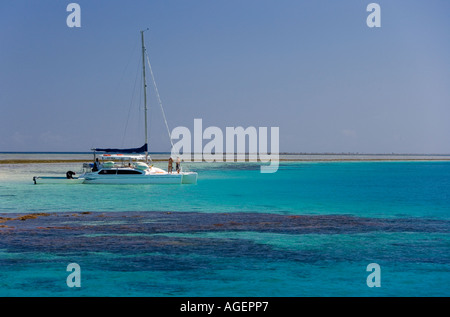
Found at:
<point>83,157</point>
<point>281,153</point>
<point>60,161</point>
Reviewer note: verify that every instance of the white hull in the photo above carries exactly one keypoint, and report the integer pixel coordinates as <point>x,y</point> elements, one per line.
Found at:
<point>113,177</point>
<point>132,179</point>
<point>175,178</point>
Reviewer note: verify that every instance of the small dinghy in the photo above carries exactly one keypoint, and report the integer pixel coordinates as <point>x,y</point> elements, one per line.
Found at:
<point>69,179</point>
<point>56,180</point>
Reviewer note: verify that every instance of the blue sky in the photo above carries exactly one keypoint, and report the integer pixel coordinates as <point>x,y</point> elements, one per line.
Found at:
<point>312,68</point>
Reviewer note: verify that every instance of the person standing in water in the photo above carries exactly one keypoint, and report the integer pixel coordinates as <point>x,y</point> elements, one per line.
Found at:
<point>169,169</point>
<point>178,165</point>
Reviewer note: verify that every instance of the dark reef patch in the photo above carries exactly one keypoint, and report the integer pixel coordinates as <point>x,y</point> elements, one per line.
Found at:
<point>148,239</point>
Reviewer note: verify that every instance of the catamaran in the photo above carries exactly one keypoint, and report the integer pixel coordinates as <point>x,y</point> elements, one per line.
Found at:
<point>131,169</point>
<point>126,166</point>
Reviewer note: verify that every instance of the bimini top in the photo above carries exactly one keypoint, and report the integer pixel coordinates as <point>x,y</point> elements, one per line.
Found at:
<point>141,149</point>
<point>121,157</point>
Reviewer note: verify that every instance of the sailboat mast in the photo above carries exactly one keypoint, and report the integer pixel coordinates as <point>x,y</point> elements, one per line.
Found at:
<point>145,93</point>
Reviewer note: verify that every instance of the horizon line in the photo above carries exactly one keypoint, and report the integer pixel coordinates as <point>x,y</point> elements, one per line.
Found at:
<point>225,153</point>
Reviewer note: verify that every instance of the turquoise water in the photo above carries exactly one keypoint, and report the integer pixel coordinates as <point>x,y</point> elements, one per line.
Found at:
<point>310,229</point>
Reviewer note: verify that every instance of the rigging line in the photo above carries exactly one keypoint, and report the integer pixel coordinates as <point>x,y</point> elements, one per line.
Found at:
<point>119,84</point>
<point>141,93</point>
<point>128,63</point>
<point>159,99</point>
<point>131,103</point>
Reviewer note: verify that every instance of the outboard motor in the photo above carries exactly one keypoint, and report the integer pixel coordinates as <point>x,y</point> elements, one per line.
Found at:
<point>70,174</point>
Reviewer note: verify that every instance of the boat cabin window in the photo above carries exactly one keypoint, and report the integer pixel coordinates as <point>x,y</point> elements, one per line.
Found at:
<point>107,172</point>
<point>118,171</point>
<point>128,172</point>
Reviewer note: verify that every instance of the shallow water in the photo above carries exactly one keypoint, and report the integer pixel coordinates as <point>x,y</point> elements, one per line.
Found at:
<point>310,229</point>
<point>375,189</point>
